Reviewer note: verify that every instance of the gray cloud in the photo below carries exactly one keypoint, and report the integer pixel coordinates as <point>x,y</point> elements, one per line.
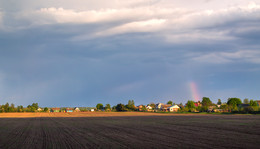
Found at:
<point>146,53</point>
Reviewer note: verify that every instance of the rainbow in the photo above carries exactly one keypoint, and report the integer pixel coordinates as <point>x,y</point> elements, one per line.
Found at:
<point>194,91</point>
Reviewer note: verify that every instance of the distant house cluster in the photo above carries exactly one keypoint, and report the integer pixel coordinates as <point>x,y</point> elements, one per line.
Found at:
<point>159,107</point>
<point>167,107</point>
<point>69,110</point>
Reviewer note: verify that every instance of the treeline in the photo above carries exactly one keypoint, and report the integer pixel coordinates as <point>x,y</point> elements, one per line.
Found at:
<point>234,105</point>
<point>30,108</point>
<point>119,107</point>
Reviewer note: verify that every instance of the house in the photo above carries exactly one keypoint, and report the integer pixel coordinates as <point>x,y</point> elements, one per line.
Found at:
<point>149,108</point>
<point>76,109</point>
<point>92,110</point>
<point>55,109</point>
<point>197,104</point>
<point>140,107</point>
<point>258,102</point>
<point>165,107</point>
<point>173,108</point>
<point>39,109</point>
<point>158,106</point>
<point>69,110</point>
<point>243,105</point>
<point>211,109</point>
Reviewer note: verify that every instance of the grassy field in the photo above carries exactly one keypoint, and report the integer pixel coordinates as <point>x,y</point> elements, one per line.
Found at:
<point>128,130</point>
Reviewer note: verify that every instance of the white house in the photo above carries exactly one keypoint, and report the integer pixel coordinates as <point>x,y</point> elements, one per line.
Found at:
<point>92,110</point>
<point>159,106</point>
<point>39,109</point>
<point>76,109</point>
<point>149,108</point>
<point>173,108</point>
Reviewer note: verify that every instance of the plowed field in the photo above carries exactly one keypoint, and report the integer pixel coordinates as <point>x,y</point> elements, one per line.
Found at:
<point>182,131</point>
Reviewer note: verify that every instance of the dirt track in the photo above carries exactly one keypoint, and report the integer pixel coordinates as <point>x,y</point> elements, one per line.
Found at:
<point>189,131</point>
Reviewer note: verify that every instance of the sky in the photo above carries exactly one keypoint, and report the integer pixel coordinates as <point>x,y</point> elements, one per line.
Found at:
<point>84,52</point>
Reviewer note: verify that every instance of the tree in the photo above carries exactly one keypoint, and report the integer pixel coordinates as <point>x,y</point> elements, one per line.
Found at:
<point>108,107</point>
<point>120,107</point>
<point>35,105</point>
<point>219,102</point>
<point>46,109</point>
<point>99,106</point>
<point>20,108</point>
<point>144,108</point>
<point>190,105</point>
<point>6,107</point>
<point>152,105</point>
<point>233,102</point>
<point>131,105</point>
<point>30,108</point>
<point>224,107</point>
<point>206,102</point>
<point>12,108</point>
<point>246,101</point>
<point>169,102</point>
<point>253,103</point>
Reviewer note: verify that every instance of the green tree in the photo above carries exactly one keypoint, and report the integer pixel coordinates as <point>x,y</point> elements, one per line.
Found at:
<point>46,109</point>
<point>99,106</point>
<point>120,107</point>
<point>246,101</point>
<point>233,102</point>
<point>108,107</point>
<point>224,107</point>
<point>144,108</point>
<point>219,102</point>
<point>253,103</point>
<point>35,105</point>
<point>6,107</point>
<point>152,105</point>
<point>131,105</point>
<point>20,108</point>
<point>169,102</point>
<point>32,108</point>
<point>206,102</point>
<point>12,108</point>
<point>190,105</point>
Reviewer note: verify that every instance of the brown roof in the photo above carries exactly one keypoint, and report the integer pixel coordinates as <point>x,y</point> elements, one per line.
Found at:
<point>55,108</point>
<point>166,106</point>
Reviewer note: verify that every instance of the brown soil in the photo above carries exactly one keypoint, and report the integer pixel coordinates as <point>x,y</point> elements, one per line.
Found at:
<point>124,131</point>
<point>85,114</point>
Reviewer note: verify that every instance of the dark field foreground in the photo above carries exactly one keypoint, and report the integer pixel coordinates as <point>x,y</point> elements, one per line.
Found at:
<point>191,131</point>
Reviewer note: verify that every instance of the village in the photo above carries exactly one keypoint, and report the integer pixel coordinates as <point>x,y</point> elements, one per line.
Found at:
<point>205,106</point>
